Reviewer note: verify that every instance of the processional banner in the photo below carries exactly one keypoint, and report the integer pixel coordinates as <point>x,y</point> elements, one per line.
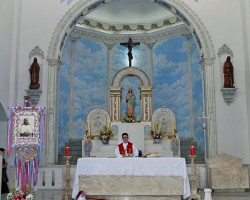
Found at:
<point>26,127</point>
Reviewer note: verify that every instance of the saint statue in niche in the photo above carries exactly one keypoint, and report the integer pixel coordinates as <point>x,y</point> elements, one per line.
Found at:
<point>130,100</point>
<point>97,123</point>
<point>228,71</point>
<point>34,75</point>
<point>164,125</point>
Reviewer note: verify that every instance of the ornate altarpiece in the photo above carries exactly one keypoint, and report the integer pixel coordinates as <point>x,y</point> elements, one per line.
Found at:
<point>116,97</point>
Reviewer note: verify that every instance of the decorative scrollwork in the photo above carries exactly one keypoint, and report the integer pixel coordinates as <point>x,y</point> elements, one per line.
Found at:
<point>36,51</point>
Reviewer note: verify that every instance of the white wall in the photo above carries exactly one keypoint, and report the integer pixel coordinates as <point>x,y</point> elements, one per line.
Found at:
<point>6,24</point>
<point>245,15</point>
<point>35,21</point>
<point>39,20</point>
<point>223,22</point>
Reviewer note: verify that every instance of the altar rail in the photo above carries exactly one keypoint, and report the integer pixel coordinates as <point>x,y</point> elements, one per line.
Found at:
<point>53,177</point>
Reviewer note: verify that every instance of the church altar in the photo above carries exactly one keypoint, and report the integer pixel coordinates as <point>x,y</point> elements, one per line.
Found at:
<point>172,174</point>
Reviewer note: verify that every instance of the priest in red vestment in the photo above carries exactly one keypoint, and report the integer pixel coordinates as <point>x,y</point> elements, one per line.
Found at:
<point>126,148</point>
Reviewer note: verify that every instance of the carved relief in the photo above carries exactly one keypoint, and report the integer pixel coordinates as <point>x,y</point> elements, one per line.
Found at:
<point>96,119</point>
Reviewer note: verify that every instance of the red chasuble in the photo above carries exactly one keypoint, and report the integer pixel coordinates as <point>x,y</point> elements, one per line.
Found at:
<point>129,149</point>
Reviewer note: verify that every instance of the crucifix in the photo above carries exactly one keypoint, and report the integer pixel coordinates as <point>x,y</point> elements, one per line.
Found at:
<point>130,44</point>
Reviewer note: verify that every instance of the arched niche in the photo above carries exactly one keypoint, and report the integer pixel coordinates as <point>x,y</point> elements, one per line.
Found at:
<point>197,29</point>
<point>116,97</point>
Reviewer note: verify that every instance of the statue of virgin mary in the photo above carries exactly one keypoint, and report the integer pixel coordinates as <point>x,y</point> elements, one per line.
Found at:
<point>130,100</point>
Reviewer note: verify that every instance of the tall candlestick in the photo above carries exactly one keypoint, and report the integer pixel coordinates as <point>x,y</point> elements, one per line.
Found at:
<point>66,151</point>
<point>192,150</point>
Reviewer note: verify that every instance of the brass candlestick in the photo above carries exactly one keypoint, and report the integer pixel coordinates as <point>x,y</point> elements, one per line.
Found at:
<point>67,195</point>
<point>194,180</point>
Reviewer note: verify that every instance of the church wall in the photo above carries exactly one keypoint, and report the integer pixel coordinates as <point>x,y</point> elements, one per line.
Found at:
<point>8,82</point>
<point>38,20</point>
<point>245,15</point>
<point>223,22</point>
<point>6,24</point>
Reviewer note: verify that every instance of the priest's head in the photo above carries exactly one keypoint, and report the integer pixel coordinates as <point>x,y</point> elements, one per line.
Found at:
<point>125,138</point>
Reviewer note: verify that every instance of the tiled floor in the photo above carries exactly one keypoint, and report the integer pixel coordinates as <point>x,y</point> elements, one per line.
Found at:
<point>58,194</point>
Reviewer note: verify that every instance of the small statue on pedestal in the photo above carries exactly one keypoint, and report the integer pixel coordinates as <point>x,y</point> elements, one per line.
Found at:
<point>228,71</point>
<point>34,75</point>
<point>87,144</point>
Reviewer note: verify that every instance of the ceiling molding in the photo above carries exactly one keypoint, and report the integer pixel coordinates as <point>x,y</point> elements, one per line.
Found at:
<point>118,37</point>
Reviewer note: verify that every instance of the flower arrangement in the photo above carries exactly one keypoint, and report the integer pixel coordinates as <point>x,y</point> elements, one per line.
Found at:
<point>156,133</point>
<point>106,133</point>
<point>129,119</point>
<point>18,194</point>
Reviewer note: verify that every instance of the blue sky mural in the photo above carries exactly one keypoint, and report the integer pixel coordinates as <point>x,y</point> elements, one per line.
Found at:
<point>170,82</point>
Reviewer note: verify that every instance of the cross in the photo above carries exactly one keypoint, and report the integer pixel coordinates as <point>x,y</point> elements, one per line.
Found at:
<point>130,44</point>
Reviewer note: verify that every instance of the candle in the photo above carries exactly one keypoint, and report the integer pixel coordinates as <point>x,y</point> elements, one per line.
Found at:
<point>192,150</point>
<point>66,151</point>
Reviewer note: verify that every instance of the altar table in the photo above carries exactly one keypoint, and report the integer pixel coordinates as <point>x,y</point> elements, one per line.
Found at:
<point>132,167</point>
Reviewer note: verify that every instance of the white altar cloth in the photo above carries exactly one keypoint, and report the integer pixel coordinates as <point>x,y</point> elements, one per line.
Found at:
<point>132,167</point>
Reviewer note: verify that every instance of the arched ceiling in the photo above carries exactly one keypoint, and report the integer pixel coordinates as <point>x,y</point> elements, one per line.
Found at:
<point>129,12</point>
<point>128,16</point>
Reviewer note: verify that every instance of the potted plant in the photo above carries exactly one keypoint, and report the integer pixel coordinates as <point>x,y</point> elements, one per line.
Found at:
<point>105,135</point>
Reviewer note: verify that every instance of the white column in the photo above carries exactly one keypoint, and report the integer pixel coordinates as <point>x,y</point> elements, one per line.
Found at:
<point>150,99</point>
<point>109,67</point>
<point>52,128</point>
<point>204,116</point>
<point>15,49</point>
<point>115,103</point>
<point>146,107</point>
<point>207,65</point>
<point>71,101</point>
<point>190,85</point>
<point>245,17</point>
<point>150,46</point>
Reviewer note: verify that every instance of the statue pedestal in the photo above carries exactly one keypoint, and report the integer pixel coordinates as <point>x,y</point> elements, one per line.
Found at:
<point>34,96</point>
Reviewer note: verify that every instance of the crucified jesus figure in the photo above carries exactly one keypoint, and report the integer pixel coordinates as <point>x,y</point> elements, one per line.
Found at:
<point>130,44</point>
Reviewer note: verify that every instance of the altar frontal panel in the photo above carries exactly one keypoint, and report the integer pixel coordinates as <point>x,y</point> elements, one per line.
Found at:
<point>131,185</point>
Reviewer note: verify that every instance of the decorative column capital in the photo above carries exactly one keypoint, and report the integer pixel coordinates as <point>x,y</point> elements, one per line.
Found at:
<point>109,45</point>
<point>54,63</point>
<point>150,44</point>
<point>206,61</point>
